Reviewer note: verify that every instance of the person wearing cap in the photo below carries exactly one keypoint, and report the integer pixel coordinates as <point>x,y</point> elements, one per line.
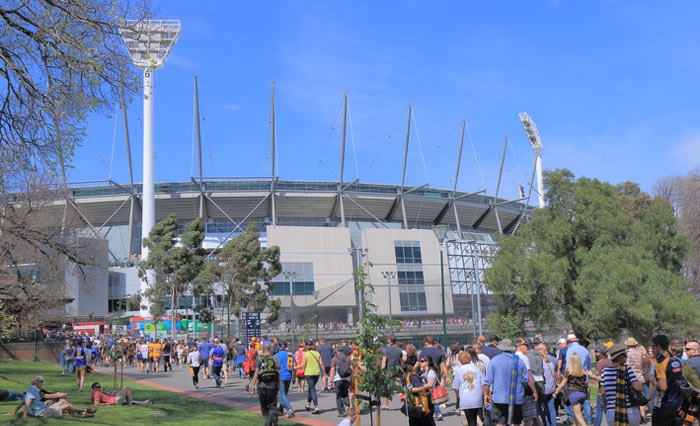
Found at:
<point>312,365</point>
<point>667,374</point>
<point>602,361</point>
<point>615,383</point>
<point>286,373</point>
<point>35,407</point>
<point>531,396</point>
<point>267,390</point>
<point>498,387</point>
<point>490,349</point>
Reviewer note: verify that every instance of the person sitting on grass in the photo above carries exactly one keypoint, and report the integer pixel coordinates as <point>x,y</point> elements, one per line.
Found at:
<point>8,395</point>
<point>38,403</point>
<point>123,397</point>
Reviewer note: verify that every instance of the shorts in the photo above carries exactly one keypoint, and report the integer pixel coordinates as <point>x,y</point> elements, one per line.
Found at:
<point>529,407</point>
<point>119,399</point>
<point>327,369</point>
<point>499,414</point>
<point>80,371</point>
<point>52,412</point>
<point>577,398</point>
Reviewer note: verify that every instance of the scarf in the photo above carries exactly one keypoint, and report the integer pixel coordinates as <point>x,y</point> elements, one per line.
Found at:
<point>621,396</point>
<point>511,393</point>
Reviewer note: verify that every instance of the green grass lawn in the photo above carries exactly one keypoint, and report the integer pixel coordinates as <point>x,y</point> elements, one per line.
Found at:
<point>170,408</point>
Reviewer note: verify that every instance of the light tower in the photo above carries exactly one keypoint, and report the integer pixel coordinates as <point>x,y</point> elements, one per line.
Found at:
<point>149,43</point>
<point>534,136</point>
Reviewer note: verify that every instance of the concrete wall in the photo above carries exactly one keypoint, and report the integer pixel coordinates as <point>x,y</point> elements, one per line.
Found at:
<point>382,256</point>
<point>327,249</point>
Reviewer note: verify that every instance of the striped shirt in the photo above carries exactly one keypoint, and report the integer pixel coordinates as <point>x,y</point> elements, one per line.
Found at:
<point>608,381</point>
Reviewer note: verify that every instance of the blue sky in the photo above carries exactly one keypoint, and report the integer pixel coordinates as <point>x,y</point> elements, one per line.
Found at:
<point>612,86</point>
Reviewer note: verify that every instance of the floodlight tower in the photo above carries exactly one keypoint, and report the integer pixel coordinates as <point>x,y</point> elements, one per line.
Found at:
<point>534,136</point>
<point>149,43</point>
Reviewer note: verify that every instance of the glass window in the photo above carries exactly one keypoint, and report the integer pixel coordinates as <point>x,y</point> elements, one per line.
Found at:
<point>303,279</point>
<point>413,302</point>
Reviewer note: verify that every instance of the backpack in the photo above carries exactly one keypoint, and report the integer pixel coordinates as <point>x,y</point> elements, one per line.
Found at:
<point>268,370</point>
<point>344,368</point>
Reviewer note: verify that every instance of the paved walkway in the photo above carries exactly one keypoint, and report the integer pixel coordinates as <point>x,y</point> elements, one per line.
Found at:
<point>234,395</point>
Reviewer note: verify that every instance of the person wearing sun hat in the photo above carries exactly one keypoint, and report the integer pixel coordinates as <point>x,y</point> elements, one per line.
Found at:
<point>614,387</point>
<point>506,398</point>
<point>635,361</point>
<point>602,361</point>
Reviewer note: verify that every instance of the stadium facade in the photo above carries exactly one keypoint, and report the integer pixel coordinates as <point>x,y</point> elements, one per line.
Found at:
<point>324,231</point>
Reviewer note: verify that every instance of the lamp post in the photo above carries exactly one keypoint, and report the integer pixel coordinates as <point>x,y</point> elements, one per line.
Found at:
<point>316,294</point>
<point>440,233</point>
<point>389,275</point>
<point>290,276</point>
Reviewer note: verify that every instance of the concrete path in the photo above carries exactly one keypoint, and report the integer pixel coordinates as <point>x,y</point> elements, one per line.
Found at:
<point>234,395</point>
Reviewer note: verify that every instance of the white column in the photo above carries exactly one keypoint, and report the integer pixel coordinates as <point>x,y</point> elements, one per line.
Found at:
<point>148,212</point>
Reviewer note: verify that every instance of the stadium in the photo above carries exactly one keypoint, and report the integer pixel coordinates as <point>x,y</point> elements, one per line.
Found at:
<point>427,247</point>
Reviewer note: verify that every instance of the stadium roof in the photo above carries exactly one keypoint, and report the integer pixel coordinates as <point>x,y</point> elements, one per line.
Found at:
<point>239,201</point>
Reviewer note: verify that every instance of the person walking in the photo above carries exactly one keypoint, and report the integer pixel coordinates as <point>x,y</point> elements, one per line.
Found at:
<point>667,374</point>
<point>194,360</point>
<point>468,381</point>
<point>506,377</point>
<point>431,379</point>
<point>341,372</point>
<point>312,364</point>
<point>216,356</point>
<point>615,385</point>
<point>286,371</point>
<point>267,379</point>
<point>80,359</point>
<point>577,387</point>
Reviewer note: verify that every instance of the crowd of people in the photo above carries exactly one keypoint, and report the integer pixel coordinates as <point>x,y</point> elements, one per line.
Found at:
<point>494,382</point>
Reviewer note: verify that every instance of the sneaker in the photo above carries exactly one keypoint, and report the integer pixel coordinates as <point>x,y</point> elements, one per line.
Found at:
<point>567,422</point>
<point>289,414</point>
<point>438,418</point>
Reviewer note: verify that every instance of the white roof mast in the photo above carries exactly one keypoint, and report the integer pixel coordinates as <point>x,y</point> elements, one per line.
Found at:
<point>534,136</point>
<point>149,43</point>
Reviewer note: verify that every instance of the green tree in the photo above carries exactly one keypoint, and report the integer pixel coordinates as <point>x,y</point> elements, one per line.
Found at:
<point>604,258</point>
<point>245,270</point>
<point>376,381</point>
<point>60,62</point>
<point>174,263</point>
